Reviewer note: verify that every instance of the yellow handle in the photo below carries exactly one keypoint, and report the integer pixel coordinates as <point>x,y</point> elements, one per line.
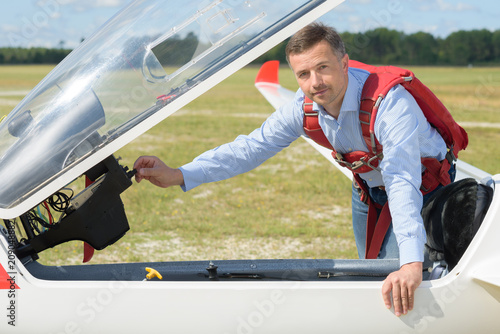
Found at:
<point>153,273</point>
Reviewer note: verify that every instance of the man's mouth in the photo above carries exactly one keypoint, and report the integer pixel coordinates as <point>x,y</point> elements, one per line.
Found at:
<point>320,92</point>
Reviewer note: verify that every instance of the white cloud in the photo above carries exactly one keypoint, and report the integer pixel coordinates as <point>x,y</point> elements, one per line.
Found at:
<point>361,2</point>
<point>107,3</point>
<point>443,5</point>
<point>66,2</point>
<point>6,28</point>
<point>82,6</point>
<point>356,23</point>
<point>342,8</point>
<point>456,7</point>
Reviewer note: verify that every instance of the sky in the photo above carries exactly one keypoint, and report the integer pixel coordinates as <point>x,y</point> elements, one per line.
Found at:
<point>63,23</point>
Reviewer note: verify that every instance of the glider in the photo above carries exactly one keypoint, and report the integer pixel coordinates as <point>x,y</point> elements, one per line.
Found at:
<point>144,64</point>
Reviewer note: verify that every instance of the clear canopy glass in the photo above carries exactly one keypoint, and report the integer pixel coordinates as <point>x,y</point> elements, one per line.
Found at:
<point>144,58</point>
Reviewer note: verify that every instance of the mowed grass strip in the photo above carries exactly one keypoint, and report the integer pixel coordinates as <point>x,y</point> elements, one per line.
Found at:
<point>295,205</point>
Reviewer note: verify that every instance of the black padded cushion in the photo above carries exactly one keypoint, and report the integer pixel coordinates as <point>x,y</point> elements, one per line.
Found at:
<point>452,217</point>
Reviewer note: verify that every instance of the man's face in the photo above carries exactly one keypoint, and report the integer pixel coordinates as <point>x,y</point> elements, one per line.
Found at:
<point>321,76</point>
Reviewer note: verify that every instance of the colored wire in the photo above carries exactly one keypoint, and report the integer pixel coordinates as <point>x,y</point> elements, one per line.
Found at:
<point>51,219</point>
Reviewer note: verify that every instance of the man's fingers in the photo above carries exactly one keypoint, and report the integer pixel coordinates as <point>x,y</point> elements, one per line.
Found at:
<point>402,295</point>
<point>404,299</point>
<point>141,162</point>
<point>386,293</point>
<point>396,298</point>
<point>409,289</point>
<point>146,162</point>
<point>145,172</point>
<point>402,284</point>
<point>146,167</point>
<point>399,299</point>
<point>411,299</point>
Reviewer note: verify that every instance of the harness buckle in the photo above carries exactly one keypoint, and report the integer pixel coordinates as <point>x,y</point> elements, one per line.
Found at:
<point>359,163</point>
<point>450,156</point>
<point>363,162</point>
<point>311,112</point>
<point>340,160</point>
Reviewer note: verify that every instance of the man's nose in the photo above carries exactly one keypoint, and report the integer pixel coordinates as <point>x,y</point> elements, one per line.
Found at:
<point>316,79</point>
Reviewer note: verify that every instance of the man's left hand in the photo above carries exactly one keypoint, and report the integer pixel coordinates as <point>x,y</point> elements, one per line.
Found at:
<point>402,284</point>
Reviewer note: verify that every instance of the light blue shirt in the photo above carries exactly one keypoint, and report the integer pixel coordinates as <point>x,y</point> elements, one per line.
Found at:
<point>400,127</point>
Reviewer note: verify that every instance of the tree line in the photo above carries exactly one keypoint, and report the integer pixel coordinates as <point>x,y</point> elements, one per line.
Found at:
<point>378,46</point>
<point>38,55</point>
<point>391,47</point>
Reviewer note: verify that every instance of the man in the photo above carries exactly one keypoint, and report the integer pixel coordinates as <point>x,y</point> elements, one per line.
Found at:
<point>318,59</point>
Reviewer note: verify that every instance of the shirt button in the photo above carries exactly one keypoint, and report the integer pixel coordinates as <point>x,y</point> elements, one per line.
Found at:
<point>370,180</point>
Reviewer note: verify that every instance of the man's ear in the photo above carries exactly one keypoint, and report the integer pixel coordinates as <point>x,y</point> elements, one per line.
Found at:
<point>345,63</point>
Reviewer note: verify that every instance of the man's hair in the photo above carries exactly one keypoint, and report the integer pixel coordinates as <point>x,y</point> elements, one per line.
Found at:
<point>311,35</point>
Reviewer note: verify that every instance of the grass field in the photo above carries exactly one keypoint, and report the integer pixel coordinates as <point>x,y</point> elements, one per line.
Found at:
<point>296,205</point>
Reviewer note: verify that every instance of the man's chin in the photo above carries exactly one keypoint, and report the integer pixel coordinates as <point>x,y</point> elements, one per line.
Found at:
<point>321,100</point>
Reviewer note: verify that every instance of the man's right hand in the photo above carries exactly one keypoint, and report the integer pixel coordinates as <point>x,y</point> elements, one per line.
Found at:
<point>401,285</point>
<point>157,172</point>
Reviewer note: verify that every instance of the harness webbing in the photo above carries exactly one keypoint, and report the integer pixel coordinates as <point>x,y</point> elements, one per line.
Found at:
<point>376,87</point>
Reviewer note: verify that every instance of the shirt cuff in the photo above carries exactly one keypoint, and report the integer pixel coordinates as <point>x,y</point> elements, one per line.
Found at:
<point>411,250</point>
<point>193,176</point>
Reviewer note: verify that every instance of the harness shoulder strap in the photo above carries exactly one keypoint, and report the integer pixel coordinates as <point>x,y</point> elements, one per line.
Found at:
<point>376,87</point>
<point>374,91</point>
<point>377,224</point>
<point>358,161</point>
<point>311,124</point>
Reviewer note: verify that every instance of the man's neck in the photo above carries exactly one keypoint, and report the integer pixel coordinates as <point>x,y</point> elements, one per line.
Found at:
<point>333,111</point>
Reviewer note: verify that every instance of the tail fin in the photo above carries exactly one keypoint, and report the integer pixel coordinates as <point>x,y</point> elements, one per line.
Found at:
<point>268,73</point>
<point>267,82</point>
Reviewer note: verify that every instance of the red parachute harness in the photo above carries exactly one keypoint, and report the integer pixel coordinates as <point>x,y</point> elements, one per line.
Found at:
<point>378,83</point>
